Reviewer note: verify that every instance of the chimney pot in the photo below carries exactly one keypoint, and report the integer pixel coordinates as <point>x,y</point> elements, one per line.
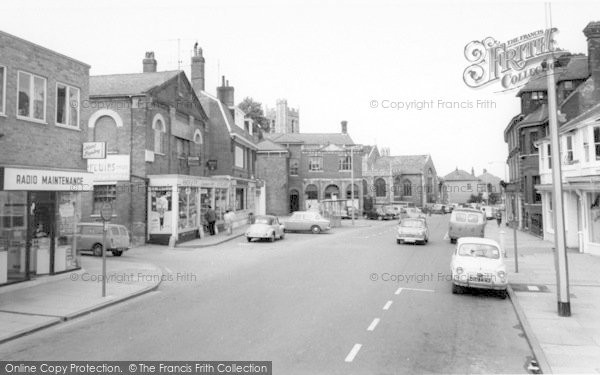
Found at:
<point>344,127</point>
<point>149,63</point>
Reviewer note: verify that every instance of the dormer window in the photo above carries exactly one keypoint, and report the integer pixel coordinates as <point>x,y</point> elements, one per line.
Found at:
<point>538,95</point>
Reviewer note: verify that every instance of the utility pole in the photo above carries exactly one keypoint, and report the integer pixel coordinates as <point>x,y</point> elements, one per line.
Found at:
<point>560,253</point>
<point>352,182</point>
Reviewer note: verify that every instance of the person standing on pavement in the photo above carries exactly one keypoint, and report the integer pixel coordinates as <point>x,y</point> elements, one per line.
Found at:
<point>228,217</point>
<point>211,218</point>
<point>499,217</point>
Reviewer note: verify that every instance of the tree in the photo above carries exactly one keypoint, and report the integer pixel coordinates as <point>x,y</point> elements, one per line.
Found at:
<point>475,198</point>
<point>253,109</point>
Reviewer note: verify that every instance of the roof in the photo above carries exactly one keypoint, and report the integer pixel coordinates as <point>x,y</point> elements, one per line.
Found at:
<point>538,116</point>
<point>460,175</point>
<point>268,145</point>
<point>221,116</point>
<point>592,114</point>
<point>576,69</point>
<point>488,178</point>
<point>402,164</point>
<point>311,138</point>
<point>128,84</point>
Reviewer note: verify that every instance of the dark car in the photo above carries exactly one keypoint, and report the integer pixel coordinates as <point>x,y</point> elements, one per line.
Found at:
<point>379,214</point>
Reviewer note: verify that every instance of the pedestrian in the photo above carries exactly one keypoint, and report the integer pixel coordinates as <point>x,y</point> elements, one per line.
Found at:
<point>211,218</point>
<point>228,217</point>
<point>499,217</point>
<point>162,205</point>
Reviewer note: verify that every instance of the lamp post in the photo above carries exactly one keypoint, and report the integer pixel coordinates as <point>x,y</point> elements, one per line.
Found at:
<point>352,182</point>
<point>560,253</point>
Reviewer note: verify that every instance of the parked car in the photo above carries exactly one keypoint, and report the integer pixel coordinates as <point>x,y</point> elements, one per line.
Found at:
<point>89,238</point>
<point>466,222</point>
<point>413,231</point>
<point>307,220</point>
<point>349,212</point>
<point>448,209</point>
<point>379,214</point>
<point>265,227</point>
<point>414,212</point>
<point>478,263</point>
<point>438,209</point>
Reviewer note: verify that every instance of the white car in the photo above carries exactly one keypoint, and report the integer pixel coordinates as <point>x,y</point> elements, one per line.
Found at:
<point>412,231</point>
<point>478,263</point>
<point>414,212</point>
<point>267,227</point>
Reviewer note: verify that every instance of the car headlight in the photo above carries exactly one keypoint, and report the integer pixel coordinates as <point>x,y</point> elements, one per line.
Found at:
<point>502,275</point>
<point>459,270</point>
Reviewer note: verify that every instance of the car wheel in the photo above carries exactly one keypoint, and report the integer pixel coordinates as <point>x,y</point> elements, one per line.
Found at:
<point>282,236</point>
<point>97,250</point>
<point>272,238</point>
<point>117,253</point>
<point>315,229</point>
<point>399,242</point>
<point>456,289</point>
<point>503,294</point>
<point>249,239</point>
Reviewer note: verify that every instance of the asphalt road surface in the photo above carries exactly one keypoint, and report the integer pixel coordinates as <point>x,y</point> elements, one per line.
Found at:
<point>347,302</point>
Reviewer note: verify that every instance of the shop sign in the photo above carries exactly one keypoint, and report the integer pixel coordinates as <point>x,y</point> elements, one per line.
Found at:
<point>193,160</point>
<point>94,150</point>
<point>44,180</point>
<point>113,168</point>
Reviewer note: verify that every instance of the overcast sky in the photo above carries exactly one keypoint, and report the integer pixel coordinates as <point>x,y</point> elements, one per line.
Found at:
<point>330,59</point>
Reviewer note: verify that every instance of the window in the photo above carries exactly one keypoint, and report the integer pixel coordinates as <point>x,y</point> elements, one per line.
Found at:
<point>549,154</point>
<point>182,147</point>
<point>469,187</point>
<point>586,151</point>
<point>2,89</point>
<point>597,142</point>
<point>102,194</point>
<point>198,137</point>
<point>315,163</point>
<point>239,157</point>
<point>569,149</point>
<point>247,126</point>
<point>537,95</point>
<point>311,192</point>
<point>31,103</point>
<point>239,199</point>
<point>345,163</point>
<point>67,105</point>
<point>294,167</point>
<point>533,137</point>
<point>537,197</point>
<point>160,131</point>
<point>380,188</point>
<point>407,188</point>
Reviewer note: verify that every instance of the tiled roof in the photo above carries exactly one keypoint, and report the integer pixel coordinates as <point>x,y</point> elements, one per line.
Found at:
<point>460,175</point>
<point>221,116</point>
<point>590,115</point>
<point>311,138</point>
<point>488,178</point>
<point>402,164</point>
<point>268,145</point>
<point>577,69</point>
<point>128,84</point>
<point>540,115</point>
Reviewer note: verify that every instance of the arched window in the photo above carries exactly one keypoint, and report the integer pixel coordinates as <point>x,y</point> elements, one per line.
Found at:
<point>160,130</point>
<point>198,137</point>
<point>380,187</point>
<point>407,188</point>
<point>397,188</point>
<point>312,192</point>
<point>331,192</point>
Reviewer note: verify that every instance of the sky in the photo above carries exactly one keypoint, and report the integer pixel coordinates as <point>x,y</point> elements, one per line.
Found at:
<point>333,60</point>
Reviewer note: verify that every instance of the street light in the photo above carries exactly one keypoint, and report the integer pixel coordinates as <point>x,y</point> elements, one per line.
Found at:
<point>560,254</point>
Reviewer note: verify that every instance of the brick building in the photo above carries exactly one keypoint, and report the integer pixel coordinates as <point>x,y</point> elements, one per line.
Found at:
<point>319,168</point>
<point>42,171</point>
<point>152,124</point>
<point>273,169</point>
<point>521,134</point>
<point>460,185</point>
<point>405,178</point>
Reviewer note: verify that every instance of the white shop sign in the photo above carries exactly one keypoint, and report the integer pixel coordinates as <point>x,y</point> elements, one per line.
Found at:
<point>113,168</point>
<point>94,150</point>
<point>46,180</point>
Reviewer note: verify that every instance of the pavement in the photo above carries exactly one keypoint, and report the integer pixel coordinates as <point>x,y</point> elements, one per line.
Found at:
<point>48,300</point>
<point>560,344</point>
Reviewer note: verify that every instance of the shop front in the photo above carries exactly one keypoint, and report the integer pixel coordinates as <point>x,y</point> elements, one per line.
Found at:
<point>39,212</point>
<point>177,203</point>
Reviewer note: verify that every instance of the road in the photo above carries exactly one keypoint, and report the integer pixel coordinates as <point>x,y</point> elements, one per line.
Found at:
<point>347,302</point>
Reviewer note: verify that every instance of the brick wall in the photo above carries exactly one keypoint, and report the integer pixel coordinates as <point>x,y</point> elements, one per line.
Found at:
<point>273,169</point>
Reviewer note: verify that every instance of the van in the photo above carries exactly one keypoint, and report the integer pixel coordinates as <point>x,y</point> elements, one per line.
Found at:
<point>89,238</point>
<point>466,222</point>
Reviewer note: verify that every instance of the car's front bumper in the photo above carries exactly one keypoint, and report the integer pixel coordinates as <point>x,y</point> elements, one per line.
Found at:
<point>406,238</point>
<point>495,283</point>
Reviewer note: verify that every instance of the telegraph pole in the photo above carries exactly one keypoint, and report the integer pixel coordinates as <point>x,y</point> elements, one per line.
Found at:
<point>560,253</point>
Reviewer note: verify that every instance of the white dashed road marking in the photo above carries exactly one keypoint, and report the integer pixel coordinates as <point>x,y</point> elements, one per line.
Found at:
<point>373,324</point>
<point>398,291</point>
<point>353,352</point>
<point>387,305</point>
<point>419,290</point>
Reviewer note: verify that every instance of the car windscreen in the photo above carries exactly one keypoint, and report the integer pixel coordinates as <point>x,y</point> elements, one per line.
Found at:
<point>411,223</point>
<point>479,250</point>
<point>115,231</point>
<point>461,217</point>
<point>263,220</point>
<point>473,218</point>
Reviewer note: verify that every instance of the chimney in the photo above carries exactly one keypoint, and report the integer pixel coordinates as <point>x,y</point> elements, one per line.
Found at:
<point>197,69</point>
<point>149,63</point>
<point>225,93</point>
<point>472,171</point>
<point>592,33</point>
<point>344,127</point>
<point>484,171</point>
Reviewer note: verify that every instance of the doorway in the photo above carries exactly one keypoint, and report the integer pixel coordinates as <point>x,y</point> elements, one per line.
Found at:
<point>294,201</point>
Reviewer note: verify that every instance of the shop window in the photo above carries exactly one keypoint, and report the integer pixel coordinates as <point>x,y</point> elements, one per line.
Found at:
<point>2,89</point>
<point>188,212</point>
<point>102,194</point>
<point>67,105</point>
<point>594,217</point>
<point>239,199</point>
<point>13,235</point>
<point>31,102</point>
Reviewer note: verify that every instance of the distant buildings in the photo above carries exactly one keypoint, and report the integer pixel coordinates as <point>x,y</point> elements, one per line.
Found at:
<point>283,119</point>
<point>460,185</point>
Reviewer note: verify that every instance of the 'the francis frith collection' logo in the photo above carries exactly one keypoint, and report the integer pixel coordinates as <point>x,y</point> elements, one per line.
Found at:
<point>510,63</point>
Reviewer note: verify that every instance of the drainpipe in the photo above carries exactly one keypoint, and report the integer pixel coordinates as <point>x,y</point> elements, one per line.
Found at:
<point>580,230</point>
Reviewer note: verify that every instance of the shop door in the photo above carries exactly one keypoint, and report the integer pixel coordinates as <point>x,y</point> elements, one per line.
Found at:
<point>294,201</point>
<point>41,232</point>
